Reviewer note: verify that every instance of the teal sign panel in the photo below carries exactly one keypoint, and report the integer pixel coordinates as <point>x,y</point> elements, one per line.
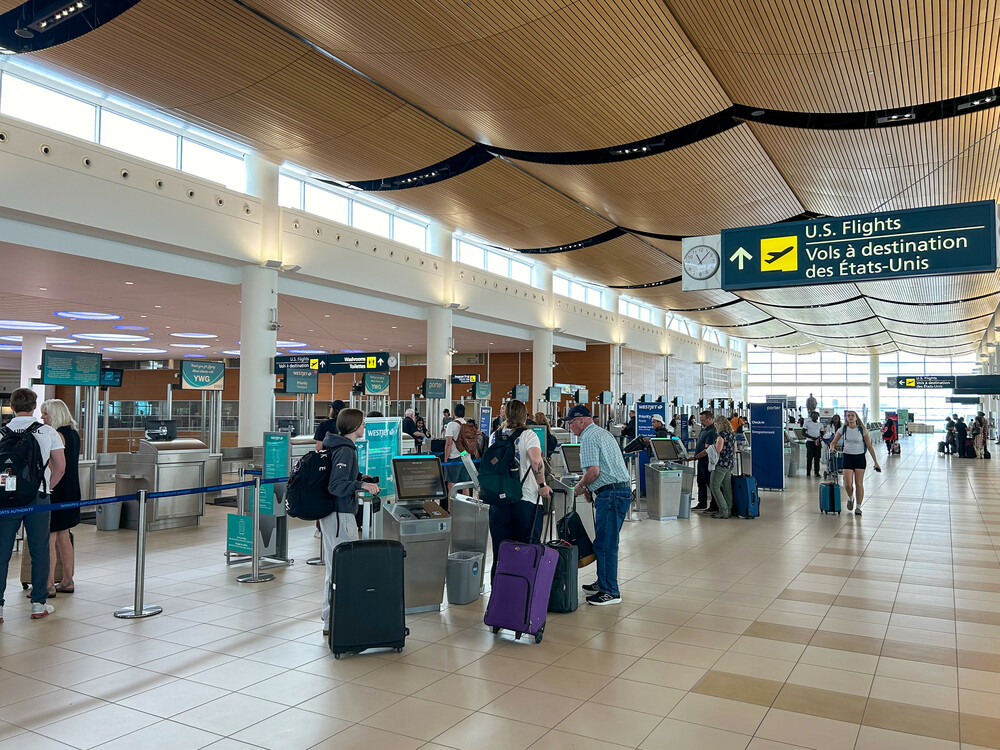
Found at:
<point>202,376</point>
<point>482,391</point>
<point>239,534</point>
<point>70,368</point>
<point>959,238</point>
<point>435,388</point>
<point>301,381</point>
<point>384,436</point>
<point>522,393</point>
<point>539,429</point>
<point>276,453</point>
<point>362,448</point>
<point>376,383</point>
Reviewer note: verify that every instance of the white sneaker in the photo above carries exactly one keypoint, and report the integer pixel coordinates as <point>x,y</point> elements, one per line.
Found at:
<point>38,611</point>
<point>1,614</point>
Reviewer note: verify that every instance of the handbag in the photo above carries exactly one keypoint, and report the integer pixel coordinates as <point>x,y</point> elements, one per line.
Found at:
<point>571,529</point>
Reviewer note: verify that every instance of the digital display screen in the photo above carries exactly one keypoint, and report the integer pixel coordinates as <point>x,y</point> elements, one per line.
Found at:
<point>581,396</point>
<point>418,478</point>
<point>553,394</point>
<point>571,457</point>
<point>112,378</point>
<point>664,449</point>
<point>607,398</point>
<point>70,368</point>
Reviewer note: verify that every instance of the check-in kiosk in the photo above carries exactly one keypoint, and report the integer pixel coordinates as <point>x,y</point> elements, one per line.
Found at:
<point>470,519</point>
<point>162,466</point>
<point>422,526</point>
<point>668,482</point>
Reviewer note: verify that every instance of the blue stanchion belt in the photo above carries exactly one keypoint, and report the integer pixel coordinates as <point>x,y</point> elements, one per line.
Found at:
<point>19,510</point>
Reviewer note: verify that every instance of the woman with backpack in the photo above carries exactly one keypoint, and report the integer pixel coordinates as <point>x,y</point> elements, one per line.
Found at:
<point>344,484</point>
<point>856,443</point>
<point>520,520</point>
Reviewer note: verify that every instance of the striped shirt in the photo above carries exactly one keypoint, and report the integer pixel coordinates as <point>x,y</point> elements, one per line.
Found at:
<point>599,448</point>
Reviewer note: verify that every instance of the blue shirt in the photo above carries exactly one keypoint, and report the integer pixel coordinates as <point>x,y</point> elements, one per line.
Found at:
<point>599,448</point>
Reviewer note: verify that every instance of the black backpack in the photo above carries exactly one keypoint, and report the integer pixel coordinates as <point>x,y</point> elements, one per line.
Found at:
<point>21,464</point>
<point>306,494</point>
<point>500,479</point>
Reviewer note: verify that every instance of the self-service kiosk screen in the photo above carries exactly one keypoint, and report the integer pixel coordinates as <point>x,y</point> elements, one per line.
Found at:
<point>418,478</point>
<point>665,449</point>
<point>571,457</point>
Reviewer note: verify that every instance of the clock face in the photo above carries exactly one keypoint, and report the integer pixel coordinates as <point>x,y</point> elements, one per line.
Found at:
<point>701,262</point>
<point>392,361</point>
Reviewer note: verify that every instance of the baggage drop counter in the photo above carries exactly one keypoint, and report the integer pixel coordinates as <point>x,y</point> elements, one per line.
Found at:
<point>162,466</point>
<point>668,482</point>
<point>422,526</point>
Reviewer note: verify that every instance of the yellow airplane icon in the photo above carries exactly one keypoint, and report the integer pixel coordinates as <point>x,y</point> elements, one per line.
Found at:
<point>779,254</point>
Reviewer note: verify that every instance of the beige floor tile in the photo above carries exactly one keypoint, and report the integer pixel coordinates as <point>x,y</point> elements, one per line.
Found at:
<point>15,688</point>
<point>703,638</point>
<point>482,730</point>
<point>292,729</point>
<point>681,735</point>
<point>836,659</point>
<point>360,737</point>
<point>683,653</point>
<point>641,629</point>
<point>237,675</point>
<point>465,692</point>
<point>836,680</point>
<point>619,643</point>
<point>857,643</point>
<point>807,731</point>
<point>718,623</point>
<point>532,707</point>
<point>768,648</point>
<point>557,740</point>
<point>775,632</point>
<point>974,679</point>
<point>759,743</point>
<point>980,731</point>
<point>979,703</point>
<point>56,706</point>
<point>444,658</point>
<point>911,719</point>
<point>822,703</point>
<point>902,669</point>
<point>639,696</point>
<point>163,735</point>
<point>92,728</point>
<point>546,652</point>
<point>401,678</point>
<point>173,698</point>
<point>351,702</point>
<point>417,718</point>
<point>501,669</point>
<point>229,714</point>
<point>611,724</point>
<point>873,738</point>
<point>733,716</point>
<point>665,674</point>
<point>598,662</point>
<point>754,666</point>
<point>915,693</point>
<point>571,683</point>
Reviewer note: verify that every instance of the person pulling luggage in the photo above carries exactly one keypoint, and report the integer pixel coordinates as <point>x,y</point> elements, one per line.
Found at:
<point>857,442</point>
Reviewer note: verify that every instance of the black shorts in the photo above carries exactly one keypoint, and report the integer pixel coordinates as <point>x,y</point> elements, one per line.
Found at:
<point>852,461</point>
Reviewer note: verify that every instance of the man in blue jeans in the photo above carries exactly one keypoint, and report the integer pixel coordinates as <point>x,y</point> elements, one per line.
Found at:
<point>607,484</point>
<point>36,524</point>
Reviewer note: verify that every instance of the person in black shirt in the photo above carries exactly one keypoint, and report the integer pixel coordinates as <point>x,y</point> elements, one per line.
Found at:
<point>329,426</point>
<point>629,430</point>
<point>706,437</point>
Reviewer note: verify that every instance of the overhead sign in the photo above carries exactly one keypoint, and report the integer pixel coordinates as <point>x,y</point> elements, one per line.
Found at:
<point>960,238</point>
<point>337,363</point>
<point>301,381</point>
<point>463,379</point>
<point>521,393</point>
<point>644,413</point>
<point>70,368</point>
<point>202,376</point>
<point>376,383</point>
<point>482,391</point>
<point>435,388</point>
<point>978,384</point>
<point>922,381</point>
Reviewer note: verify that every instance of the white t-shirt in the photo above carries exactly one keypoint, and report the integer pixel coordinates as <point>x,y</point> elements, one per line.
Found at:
<point>527,441</point>
<point>451,431</point>
<point>852,440</point>
<point>813,429</point>
<point>48,440</point>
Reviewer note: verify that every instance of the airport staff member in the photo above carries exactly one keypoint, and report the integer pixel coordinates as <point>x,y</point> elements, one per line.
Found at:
<point>607,484</point>
<point>814,431</point>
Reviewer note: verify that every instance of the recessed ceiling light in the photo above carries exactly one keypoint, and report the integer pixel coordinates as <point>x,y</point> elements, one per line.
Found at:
<point>83,315</point>
<point>308,351</point>
<point>166,326</point>
<point>326,316</point>
<point>133,350</point>
<point>311,331</point>
<point>195,355</point>
<point>234,352</point>
<point>109,337</point>
<point>43,289</point>
<point>287,344</point>
<point>365,338</point>
<point>157,306</point>
<point>10,347</point>
<point>394,326</point>
<point>48,340</point>
<point>195,335</point>
<point>129,283</point>
<point>192,346</point>
<point>27,325</point>
<point>73,346</point>
<point>131,328</point>
<point>142,316</point>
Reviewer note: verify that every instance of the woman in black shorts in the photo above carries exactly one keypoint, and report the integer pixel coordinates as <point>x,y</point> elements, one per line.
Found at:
<point>56,414</point>
<point>856,444</point>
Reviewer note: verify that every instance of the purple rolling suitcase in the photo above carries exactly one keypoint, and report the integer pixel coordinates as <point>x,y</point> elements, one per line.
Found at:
<point>521,588</point>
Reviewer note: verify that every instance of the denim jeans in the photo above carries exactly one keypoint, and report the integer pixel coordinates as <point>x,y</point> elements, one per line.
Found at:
<point>36,532</point>
<point>610,509</point>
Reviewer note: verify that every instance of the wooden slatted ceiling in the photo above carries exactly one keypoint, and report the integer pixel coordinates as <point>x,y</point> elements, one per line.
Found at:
<point>619,261</point>
<point>922,329</point>
<point>856,171</point>
<point>936,313</point>
<point>933,288</point>
<point>8,5</point>
<point>547,77</point>
<point>724,181</point>
<point>844,55</point>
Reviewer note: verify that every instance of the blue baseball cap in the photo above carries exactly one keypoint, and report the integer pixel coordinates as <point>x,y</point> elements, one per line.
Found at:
<point>578,411</point>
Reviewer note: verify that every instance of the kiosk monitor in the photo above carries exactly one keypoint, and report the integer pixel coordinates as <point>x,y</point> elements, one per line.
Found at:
<point>667,449</point>
<point>571,458</point>
<point>606,398</point>
<point>112,377</point>
<point>418,477</point>
<point>161,429</point>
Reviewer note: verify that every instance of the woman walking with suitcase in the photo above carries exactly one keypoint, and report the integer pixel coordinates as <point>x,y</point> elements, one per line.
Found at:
<point>857,442</point>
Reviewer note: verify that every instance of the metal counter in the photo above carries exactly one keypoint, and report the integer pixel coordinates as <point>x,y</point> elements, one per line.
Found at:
<point>425,531</point>
<point>161,467</point>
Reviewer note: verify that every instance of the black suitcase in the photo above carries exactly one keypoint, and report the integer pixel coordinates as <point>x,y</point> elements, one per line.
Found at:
<point>565,596</point>
<point>366,597</point>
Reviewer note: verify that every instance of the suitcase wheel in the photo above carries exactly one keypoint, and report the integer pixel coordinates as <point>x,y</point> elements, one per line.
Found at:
<point>336,656</point>
<point>399,649</point>
<point>495,630</point>
<point>24,587</point>
<point>518,634</point>
<point>538,635</point>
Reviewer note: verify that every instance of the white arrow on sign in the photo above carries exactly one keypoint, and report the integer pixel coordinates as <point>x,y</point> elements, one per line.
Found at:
<point>381,361</point>
<point>740,255</point>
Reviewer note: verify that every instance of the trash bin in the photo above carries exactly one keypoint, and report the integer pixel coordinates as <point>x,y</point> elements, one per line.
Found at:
<point>109,517</point>
<point>465,576</point>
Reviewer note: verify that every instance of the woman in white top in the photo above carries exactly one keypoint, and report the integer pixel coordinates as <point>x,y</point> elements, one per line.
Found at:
<point>521,521</point>
<point>856,444</point>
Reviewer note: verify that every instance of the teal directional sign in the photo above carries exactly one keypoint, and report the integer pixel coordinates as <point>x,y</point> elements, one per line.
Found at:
<point>960,238</point>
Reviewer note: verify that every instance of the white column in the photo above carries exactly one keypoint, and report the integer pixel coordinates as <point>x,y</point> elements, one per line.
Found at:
<point>439,336</point>
<point>610,299</point>
<point>541,279</point>
<point>745,373</point>
<point>876,395</point>
<point>32,345</point>
<point>541,365</point>
<point>439,244</point>
<point>262,183</point>
<point>257,342</point>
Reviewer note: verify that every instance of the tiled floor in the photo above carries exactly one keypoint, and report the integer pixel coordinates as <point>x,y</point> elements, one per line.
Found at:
<point>793,630</point>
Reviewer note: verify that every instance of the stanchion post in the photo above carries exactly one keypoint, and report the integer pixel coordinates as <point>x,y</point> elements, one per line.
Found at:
<point>255,576</point>
<point>138,610</point>
<point>321,560</point>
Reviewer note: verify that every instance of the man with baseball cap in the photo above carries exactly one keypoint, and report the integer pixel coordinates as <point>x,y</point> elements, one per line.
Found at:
<point>607,484</point>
